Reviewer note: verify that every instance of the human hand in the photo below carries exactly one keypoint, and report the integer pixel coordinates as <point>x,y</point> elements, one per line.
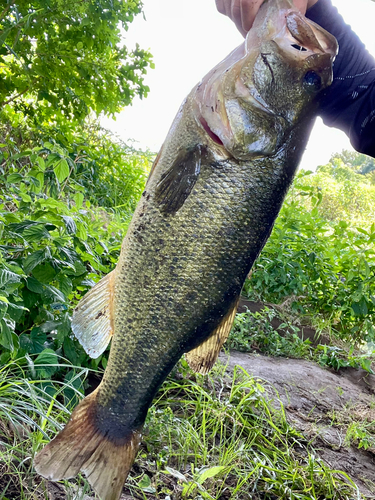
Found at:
<point>243,12</point>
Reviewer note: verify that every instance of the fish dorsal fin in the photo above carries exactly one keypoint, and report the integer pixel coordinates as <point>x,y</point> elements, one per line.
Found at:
<point>178,181</point>
<point>202,358</point>
<point>93,321</point>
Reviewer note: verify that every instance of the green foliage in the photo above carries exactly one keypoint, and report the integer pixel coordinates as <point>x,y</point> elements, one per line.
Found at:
<point>358,162</point>
<point>254,331</point>
<point>327,267</point>
<point>31,409</point>
<point>347,195</point>
<point>357,422</point>
<point>361,434</point>
<point>90,164</point>
<point>336,358</point>
<point>204,438</point>
<point>54,246</point>
<point>65,59</point>
<point>210,438</point>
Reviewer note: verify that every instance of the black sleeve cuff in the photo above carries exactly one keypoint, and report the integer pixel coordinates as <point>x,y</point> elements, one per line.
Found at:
<point>349,103</point>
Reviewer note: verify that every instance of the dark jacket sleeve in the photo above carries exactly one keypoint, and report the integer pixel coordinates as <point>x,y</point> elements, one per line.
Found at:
<point>349,103</point>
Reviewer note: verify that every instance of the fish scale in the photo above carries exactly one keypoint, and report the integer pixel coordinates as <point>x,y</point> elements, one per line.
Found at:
<point>209,205</point>
<point>236,243</point>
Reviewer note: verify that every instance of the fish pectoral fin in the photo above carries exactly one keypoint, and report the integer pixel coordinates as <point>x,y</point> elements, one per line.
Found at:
<point>81,446</point>
<point>93,321</point>
<point>178,181</point>
<point>202,358</point>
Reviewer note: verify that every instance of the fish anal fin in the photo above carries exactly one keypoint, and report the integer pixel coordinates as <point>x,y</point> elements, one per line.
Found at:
<point>93,319</point>
<point>178,181</point>
<point>202,358</point>
<point>80,446</point>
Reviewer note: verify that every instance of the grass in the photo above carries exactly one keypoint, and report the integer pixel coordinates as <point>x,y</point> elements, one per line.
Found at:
<point>31,412</point>
<point>357,424</point>
<point>218,438</point>
<point>214,438</point>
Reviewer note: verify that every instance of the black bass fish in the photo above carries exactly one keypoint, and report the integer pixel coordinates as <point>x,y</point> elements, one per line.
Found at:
<point>209,205</point>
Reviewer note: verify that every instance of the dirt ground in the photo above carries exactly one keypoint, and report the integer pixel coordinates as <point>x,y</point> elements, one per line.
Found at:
<point>314,398</point>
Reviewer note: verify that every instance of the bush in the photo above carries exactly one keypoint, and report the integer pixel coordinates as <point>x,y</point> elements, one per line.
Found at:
<point>328,267</point>
<point>346,195</point>
<point>54,245</point>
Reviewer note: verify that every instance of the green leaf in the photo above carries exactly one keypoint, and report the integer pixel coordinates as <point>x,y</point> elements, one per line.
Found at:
<point>34,286</point>
<point>21,226</point>
<point>71,351</point>
<point>44,273</point>
<point>49,326</point>
<point>70,225</point>
<point>16,310</point>
<point>41,163</point>
<point>8,277</point>
<point>36,233</point>
<point>25,197</point>
<point>73,390</point>
<point>61,170</point>
<point>33,343</point>
<point>6,338</point>
<point>211,472</point>
<point>14,178</point>
<point>21,155</point>
<point>44,364</point>
<point>33,260</point>
<point>360,308</point>
<point>65,285</point>
<point>145,484</point>
<point>53,292</point>
<point>81,231</point>
<point>78,200</point>
<point>48,145</point>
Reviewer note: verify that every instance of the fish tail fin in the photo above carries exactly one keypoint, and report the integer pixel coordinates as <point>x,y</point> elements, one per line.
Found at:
<point>81,446</point>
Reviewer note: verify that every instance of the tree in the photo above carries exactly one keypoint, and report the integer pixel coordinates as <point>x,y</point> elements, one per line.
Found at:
<point>66,59</point>
<point>358,162</point>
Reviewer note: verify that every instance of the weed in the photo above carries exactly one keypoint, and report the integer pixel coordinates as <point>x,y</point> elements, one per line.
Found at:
<point>31,411</point>
<point>254,331</point>
<point>218,439</point>
<point>205,438</point>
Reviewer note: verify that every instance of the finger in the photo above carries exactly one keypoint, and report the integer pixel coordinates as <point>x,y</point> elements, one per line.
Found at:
<point>235,13</point>
<point>222,7</point>
<point>301,5</point>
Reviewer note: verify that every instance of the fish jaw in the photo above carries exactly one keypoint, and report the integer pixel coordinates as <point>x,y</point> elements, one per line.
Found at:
<point>251,100</point>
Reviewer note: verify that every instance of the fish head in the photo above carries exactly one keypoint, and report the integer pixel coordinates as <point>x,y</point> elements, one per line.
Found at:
<point>250,101</point>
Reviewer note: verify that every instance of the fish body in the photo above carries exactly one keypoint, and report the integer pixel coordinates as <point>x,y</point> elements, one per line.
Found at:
<point>208,208</point>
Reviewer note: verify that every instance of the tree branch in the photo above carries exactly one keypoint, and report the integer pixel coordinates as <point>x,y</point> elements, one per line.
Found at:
<point>13,98</point>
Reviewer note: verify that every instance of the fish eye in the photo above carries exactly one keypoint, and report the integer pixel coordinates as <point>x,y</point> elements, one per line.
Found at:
<point>312,82</point>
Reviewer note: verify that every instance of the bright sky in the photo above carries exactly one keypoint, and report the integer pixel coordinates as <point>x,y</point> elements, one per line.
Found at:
<point>187,38</point>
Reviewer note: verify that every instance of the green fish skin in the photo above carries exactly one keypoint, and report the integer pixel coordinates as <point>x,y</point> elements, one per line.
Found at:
<point>208,208</point>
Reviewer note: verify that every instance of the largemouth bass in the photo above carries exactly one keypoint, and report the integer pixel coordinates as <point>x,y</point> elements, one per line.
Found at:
<point>209,205</point>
